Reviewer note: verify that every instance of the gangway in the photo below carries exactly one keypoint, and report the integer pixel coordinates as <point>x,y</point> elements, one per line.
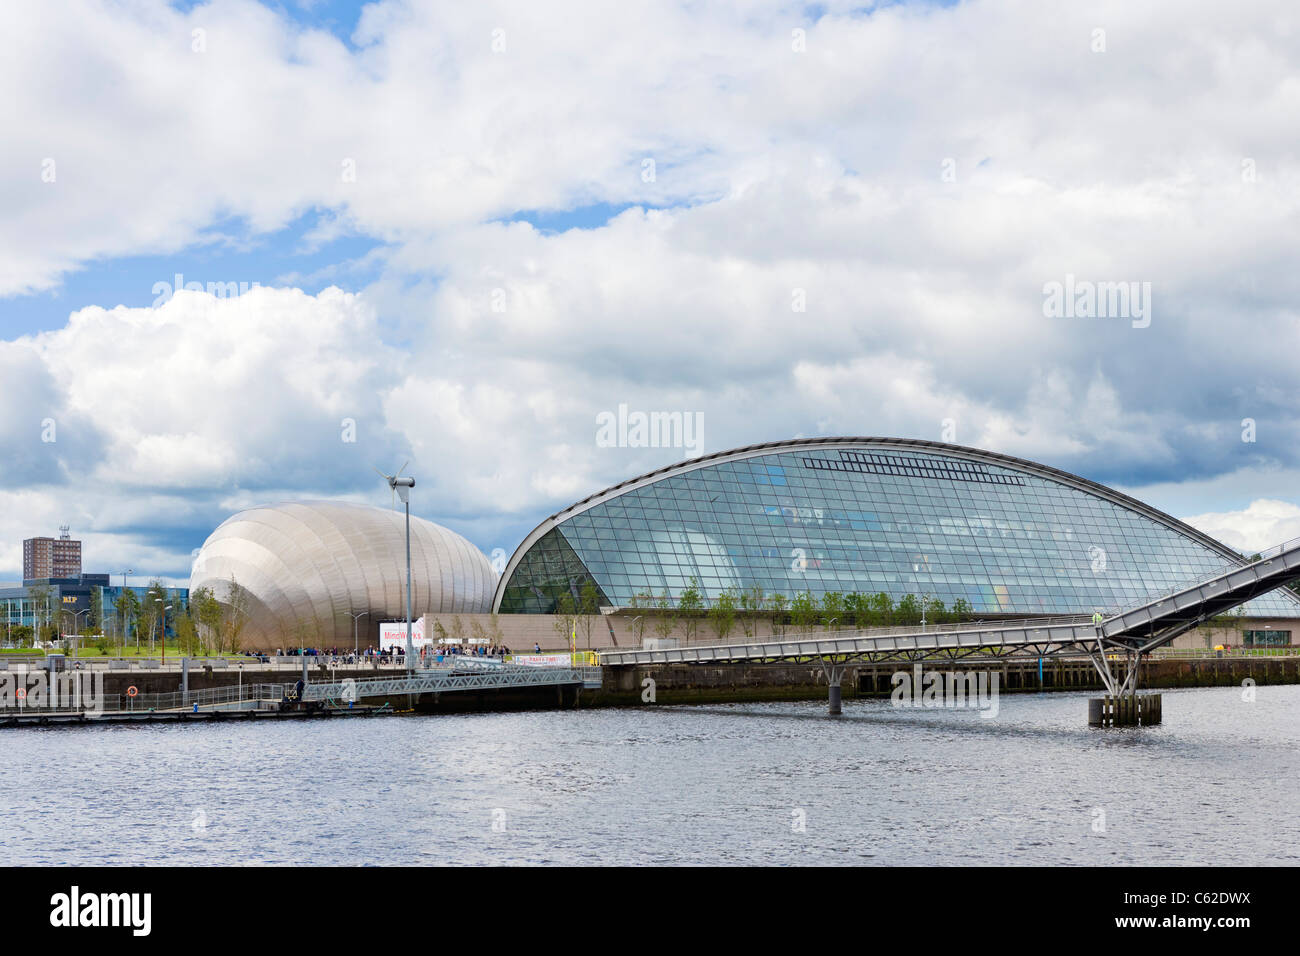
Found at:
<point>443,680</point>
<point>1129,632</point>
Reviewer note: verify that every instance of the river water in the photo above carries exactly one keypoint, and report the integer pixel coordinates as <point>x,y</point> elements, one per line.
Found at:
<point>732,784</point>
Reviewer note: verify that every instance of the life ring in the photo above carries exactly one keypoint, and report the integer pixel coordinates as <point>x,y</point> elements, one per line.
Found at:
<point>132,691</point>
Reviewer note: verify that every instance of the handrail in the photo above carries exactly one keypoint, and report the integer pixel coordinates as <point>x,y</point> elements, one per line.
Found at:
<point>1264,556</point>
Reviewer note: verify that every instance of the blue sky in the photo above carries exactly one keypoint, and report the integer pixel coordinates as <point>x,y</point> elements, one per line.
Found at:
<point>793,219</point>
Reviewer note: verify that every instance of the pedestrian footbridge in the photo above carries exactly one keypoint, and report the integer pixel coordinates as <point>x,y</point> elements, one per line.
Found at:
<point>1128,632</point>
<point>467,674</point>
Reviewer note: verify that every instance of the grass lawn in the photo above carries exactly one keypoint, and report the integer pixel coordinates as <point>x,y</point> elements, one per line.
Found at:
<point>92,651</point>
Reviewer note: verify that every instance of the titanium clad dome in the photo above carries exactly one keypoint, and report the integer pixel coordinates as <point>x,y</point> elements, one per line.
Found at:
<point>312,564</point>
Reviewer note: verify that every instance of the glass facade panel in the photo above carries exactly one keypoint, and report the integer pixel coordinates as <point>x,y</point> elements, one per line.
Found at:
<point>869,519</point>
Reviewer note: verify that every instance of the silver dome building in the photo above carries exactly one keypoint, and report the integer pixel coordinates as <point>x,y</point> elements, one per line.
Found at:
<point>308,566</point>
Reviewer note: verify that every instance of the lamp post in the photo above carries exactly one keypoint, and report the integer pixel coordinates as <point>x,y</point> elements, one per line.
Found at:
<point>124,576</point>
<point>162,627</point>
<point>402,488</point>
<point>916,570</point>
<point>356,646</point>
<point>75,616</point>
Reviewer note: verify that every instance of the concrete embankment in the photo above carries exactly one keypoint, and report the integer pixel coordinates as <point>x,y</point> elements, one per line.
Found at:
<point>737,683</point>
<point>728,683</point>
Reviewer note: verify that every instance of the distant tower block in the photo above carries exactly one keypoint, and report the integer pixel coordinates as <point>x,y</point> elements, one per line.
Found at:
<point>52,557</point>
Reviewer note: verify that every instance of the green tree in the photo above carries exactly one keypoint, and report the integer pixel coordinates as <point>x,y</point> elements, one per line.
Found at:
<point>478,632</point>
<point>641,601</point>
<point>666,619</point>
<point>457,632</point>
<point>722,615</point>
<point>935,612</point>
<point>236,611</point>
<point>855,609</point>
<point>155,600</point>
<point>689,606</point>
<point>128,611</point>
<point>95,619</point>
<point>751,603</point>
<point>42,598</point>
<point>882,609</point>
<point>778,603</point>
<point>187,633</point>
<point>566,616</point>
<point>206,611</point>
<point>833,610</point>
<point>961,610</point>
<point>908,611</point>
<point>803,611</point>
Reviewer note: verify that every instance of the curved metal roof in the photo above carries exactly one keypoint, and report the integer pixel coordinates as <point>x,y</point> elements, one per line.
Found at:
<point>890,444</point>
<point>313,563</point>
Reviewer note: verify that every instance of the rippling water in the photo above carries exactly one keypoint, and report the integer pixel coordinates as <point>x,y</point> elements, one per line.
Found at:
<point>1214,784</point>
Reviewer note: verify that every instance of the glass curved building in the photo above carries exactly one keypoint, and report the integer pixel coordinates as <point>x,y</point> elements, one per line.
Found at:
<point>867,515</point>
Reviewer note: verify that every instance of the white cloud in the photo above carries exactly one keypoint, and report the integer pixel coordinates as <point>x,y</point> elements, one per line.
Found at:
<point>1264,523</point>
<point>816,171</point>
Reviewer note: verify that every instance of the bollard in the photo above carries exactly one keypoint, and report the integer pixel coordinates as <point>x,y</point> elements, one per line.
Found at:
<point>1094,712</point>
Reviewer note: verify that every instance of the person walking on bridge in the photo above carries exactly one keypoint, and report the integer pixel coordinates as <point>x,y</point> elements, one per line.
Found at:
<point>1096,618</point>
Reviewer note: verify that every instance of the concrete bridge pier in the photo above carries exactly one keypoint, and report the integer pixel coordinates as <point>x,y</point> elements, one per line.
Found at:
<point>1122,706</point>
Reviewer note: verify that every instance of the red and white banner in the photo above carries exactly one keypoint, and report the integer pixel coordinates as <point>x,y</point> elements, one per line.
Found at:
<point>542,660</point>
<point>392,635</point>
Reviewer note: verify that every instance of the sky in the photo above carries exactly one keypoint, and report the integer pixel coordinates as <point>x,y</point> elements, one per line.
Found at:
<point>456,235</point>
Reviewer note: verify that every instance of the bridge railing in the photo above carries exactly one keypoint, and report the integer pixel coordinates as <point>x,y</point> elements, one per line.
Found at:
<point>232,695</point>
<point>893,631</point>
<point>1200,653</point>
<point>1204,578</point>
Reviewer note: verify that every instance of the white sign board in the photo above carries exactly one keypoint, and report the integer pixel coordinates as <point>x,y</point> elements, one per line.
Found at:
<point>392,635</point>
<point>542,660</point>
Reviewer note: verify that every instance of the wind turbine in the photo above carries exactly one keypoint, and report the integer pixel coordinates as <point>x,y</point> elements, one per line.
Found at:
<point>391,479</point>
<point>401,488</point>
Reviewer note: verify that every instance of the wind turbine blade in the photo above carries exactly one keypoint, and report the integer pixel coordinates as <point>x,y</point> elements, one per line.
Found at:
<point>380,473</point>
<point>402,469</point>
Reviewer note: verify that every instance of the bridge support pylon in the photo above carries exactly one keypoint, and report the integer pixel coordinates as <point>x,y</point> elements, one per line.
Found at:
<point>1122,706</point>
<point>834,679</point>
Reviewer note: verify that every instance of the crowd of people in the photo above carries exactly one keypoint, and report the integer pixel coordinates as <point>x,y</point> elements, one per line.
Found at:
<point>333,656</point>
<point>450,650</point>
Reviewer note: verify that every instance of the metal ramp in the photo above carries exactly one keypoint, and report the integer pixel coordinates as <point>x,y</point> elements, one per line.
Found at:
<point>1155,623</point>
<point>451,680</point>
<point>1132,632</point>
